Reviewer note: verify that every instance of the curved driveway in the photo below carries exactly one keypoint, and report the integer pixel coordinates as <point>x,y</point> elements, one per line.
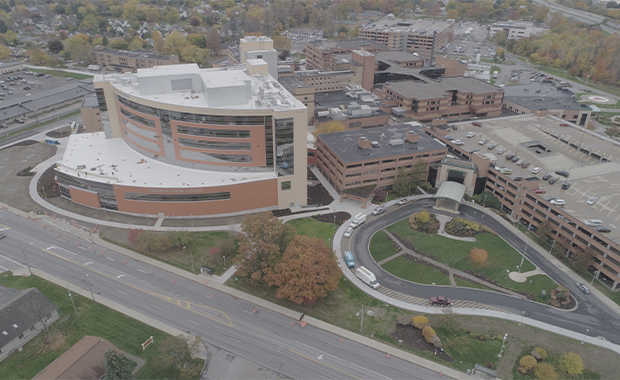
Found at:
<point>591,314</point>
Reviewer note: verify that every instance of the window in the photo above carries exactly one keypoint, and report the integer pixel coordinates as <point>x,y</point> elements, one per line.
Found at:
<point>195,197</point>
<point>286,185</point>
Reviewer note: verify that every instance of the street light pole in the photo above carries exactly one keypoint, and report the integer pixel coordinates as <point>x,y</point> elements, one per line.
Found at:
<point>44,195</point>
<point>191,257</point>
<point>584,336</point>
<point>593,277</point>
<point>224,261</point>
<point>89,287</point>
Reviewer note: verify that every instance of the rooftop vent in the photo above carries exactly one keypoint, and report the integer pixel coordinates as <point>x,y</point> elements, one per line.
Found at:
<point>397,142</point>
<point>375,144</point>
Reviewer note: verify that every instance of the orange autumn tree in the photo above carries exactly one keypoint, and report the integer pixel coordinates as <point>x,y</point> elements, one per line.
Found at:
<point>307,271</point>
<point>478,256</point>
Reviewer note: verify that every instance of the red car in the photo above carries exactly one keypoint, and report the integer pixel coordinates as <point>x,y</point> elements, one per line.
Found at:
<point>564,124</point>
<point>539,191</point>
<point>476,124</point>
<point>441,300</point>
<point>549,78</point>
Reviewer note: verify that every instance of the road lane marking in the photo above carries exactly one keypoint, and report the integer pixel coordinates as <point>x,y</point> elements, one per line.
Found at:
<point>326,365</point>
<point>173,300</point>
<point>62,249</point>
<point>5,269</point>
<point>122,292</point>
<point>140,270</point>
<point>157,307</point>
<point>109,258</point>
<point>5,228</point>
<point>11,260</point>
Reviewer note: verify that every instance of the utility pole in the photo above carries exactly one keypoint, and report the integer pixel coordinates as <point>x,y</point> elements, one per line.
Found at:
<point>89,287</point>
<point>25,259</point>
<point>76,314</point>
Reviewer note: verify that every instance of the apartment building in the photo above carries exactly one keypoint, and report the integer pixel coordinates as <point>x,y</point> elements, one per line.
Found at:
<point>373,157</point>
<point>128,61</point>
<point>409,35</point>
<point>320,52</point>
<point>450,98</point>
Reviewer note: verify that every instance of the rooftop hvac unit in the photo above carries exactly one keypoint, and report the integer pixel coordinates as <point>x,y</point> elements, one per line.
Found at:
<point>397,142</point>
<point>375,144</point>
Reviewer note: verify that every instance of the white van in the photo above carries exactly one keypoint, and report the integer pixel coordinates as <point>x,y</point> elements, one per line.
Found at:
<point>593,222</point>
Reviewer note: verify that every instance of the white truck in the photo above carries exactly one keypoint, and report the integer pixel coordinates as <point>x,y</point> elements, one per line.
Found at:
<point>94,67</point>
<point>358,220</point>
<point>367,276</point>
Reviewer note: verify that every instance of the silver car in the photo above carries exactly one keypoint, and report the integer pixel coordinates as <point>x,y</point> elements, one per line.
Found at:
<point>592,200</point>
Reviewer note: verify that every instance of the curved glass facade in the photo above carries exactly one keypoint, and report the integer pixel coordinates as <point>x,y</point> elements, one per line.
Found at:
<point>210,138</point>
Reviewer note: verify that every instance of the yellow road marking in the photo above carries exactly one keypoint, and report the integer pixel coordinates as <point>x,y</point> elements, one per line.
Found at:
<point>160,296</point>
<point>7,227</point>
<point>326,365</point>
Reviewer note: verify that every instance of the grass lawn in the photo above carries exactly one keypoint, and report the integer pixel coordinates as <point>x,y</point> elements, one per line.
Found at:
<point>455,253</point>
<point>93,319</point>
<point>381,247</point>
<point>314,228</point>
<point>203,249</point>
<point>408,270</point>
<point>62,74</point>
<point>468,284</point>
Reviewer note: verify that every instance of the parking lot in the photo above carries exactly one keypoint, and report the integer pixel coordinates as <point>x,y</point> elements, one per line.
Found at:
<point>545,144</point>
<point>469,38</point>
<point>22,85</point>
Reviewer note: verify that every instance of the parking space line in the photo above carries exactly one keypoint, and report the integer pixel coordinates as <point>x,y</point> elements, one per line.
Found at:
<point>605,205</point>
<point>612,210</point>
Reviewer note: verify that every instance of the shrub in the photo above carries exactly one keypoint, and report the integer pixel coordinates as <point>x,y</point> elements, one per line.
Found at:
<point>526,364</point>
<point>428,333</point>
<point>422,217</point>
<point>214,250</point>
<point>541,352</point>
<point>571,363</point>
<point>152,241</point>
<point>379,195</point>
<point>420,322</point>
<point>133,235</point>
<point>490,364</point>
<point>545,371</point>
<point>478,256</point>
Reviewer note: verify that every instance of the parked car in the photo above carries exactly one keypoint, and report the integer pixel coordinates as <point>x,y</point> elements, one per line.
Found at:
<point>510,156</point>
<point>525,165</point>
<point>491,147</point>
<point>471,134</point>
<point>553,180</point>
<point>519,162</point>
<point>564,124</point>
<point>517,178</point>
<point>563,173</point>
<point>557,202</point>
<point>473,151</point>
<point>565,186</point>
<point>584,288</point>
<point>593,222</point>
<point>2,235</point>
<point>546,177</point>
<point>70,78</point>
<point>454,128</point>
<point>378,211</point>
<point>516,159</point>
<point>501,151</point>
<point>536,170</point>
<point>404,201</point>
<point>539,191</point>
<point>482,141</point>
<point>476,124</point>
<point>591,200</point>
<point>20,121</point>
<point>603,229</point>
<point>505,171</point>
<point>348,232</point>
<point>441,300</point>
<point>459,142</point>
<point>449,138</point>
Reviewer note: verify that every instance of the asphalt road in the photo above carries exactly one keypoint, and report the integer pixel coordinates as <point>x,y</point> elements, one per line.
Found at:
<point>591,314</point>
<point>579,15</point>
<point>63,120</point>
<point>265,338</point>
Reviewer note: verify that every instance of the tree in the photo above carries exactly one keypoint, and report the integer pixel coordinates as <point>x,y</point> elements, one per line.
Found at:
<point>514,15</point>
<point>37,56</point>
<point>478,255</point>
<point>130,10</point>
<point>172,16</point>
<point>500,38</point>
<point>452,14</point>
<point>175,43</point>
<point>104,41</point>
<point>329,127</point>
<point>136,43</point>
<point>117,367</point>
<point>151,13</point>
<point>78,47</point>
<point>401,183</point>
<point>263,241</point>
<point>571,363</point>
<point>3,27</point>
<point>545,371</point>
<point>4,52</point>
<point>176,352</point>
<point>419,173</point>
<point>282,42</point>
<point>539,353</point>
<point>194,21</point>
<point>119,44</point>
<point>541,14</point>
<point>423,217</point>
<point>307,271</point>
<point>488,199</point>
<point>526,364</point>
<point>56,63</point>
<point>197,40</point>
<point>213,41</point>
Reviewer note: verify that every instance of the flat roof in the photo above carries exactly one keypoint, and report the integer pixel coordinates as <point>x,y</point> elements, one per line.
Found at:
<point>397,56</point>
<point>351,44</point>
<point>545,144</point>
<point>415,26</point>
<point>140,53</point>
<point>437,89</point>
<point>190,86</point>
<point>117,163</point>
<point>345,144</point>
<point>542,95</point>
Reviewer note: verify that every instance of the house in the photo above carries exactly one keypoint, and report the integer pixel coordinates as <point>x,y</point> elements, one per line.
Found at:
<point>23,315</point>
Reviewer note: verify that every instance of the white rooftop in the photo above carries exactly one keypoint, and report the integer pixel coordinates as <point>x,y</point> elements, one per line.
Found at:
<point>115,163</point>
<point>190,86</point>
